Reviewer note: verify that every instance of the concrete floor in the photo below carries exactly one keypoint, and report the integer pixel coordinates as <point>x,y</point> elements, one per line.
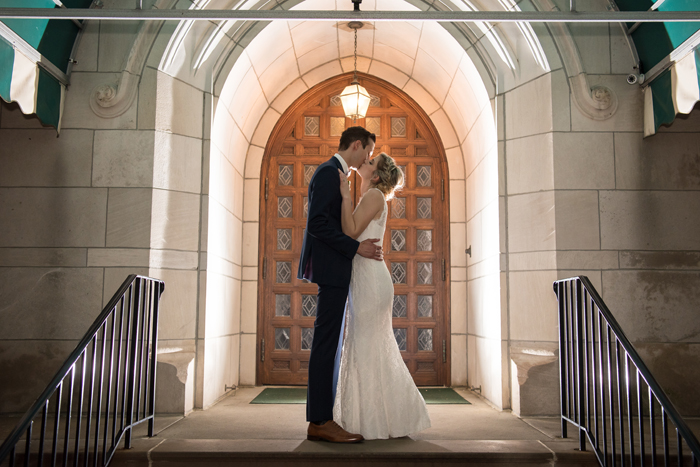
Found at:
<point>235,418</point>
<point>235,426</point>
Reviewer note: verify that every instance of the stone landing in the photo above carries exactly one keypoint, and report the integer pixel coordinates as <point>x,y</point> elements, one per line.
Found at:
<point>234,432</point>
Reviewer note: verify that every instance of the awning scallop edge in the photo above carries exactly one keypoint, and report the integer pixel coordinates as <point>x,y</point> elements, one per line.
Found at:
<point>673,92</point>
<point>23,81</point>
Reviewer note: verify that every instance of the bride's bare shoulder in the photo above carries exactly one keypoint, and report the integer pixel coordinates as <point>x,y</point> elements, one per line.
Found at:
<point>375,194</point>
<point>373,199</point>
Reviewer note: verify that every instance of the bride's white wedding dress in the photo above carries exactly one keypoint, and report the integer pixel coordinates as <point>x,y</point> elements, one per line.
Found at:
<point>376,396</point>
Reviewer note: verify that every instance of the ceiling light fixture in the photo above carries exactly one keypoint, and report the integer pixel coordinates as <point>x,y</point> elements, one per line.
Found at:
<point>354,97</point>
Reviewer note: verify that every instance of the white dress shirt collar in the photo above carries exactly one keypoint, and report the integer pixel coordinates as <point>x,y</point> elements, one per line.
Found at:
<point>342,162</point>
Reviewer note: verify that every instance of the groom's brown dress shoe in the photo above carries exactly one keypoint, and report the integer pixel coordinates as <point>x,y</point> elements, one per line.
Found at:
<point>332,432</point>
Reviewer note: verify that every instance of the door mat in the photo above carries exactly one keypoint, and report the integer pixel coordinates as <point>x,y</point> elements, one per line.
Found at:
<point>442,396</point>
<point>298,396</point>
<point>281,396</point>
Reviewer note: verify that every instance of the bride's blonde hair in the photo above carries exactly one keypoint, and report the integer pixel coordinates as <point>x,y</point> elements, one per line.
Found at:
<point>390,176</point>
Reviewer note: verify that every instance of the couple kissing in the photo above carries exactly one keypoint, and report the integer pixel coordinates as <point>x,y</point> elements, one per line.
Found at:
<point>359,387</point>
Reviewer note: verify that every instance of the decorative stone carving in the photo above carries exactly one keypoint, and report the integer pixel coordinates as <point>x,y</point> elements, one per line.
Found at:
<point>113,99</point>
<point>104,94</point>
<point>598,103</point>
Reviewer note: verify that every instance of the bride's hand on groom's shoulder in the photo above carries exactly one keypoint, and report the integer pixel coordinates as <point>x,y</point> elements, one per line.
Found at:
<point>368,249</point>
<point>344,184</point>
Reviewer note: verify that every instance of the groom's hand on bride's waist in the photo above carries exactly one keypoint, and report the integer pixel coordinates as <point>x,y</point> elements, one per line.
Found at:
<point>369,249</point>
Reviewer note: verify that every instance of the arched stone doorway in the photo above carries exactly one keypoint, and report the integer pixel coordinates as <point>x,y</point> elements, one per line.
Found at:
<point>240,115</point>
<point>416,244</point>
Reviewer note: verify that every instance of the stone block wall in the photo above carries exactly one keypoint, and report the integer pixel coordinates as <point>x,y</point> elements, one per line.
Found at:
<point>627,217</point>
<point>219,335</point>
<point>107,198</point>
<point>593,197</point>
<point>486,343</point>
<point>529,248</point>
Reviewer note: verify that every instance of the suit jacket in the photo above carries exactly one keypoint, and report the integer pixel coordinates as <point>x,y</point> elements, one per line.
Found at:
<point>327,253</point>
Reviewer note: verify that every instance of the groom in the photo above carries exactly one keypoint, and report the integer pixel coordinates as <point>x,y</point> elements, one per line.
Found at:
<point>326,259</point>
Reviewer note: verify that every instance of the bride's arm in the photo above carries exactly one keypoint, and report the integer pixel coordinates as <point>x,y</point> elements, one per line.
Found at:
<point>370,204</point>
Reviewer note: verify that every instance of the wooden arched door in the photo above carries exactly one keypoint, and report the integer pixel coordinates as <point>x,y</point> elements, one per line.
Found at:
<point>416,243</point>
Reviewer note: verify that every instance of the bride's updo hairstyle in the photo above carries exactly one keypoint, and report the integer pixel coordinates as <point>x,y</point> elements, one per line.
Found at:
<point>390,176</point>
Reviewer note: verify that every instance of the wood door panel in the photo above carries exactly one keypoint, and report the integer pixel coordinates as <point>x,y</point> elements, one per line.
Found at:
<point>423,326</point>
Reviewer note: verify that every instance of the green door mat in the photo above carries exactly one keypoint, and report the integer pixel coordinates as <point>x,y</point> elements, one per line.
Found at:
<point>298,396</point>
<point>442,396</point>
<point>281,396</point>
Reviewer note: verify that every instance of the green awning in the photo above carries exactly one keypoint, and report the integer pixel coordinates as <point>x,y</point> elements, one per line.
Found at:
<point>675,91</point>
<point>34,59</point>
<point>668,55</point>
<point>34,89</point>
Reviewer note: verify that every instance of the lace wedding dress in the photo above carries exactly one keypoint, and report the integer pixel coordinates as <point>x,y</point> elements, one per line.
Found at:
<point>376,396</point>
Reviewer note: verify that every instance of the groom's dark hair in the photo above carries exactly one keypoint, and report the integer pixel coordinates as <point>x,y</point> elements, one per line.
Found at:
<point>353,134</point>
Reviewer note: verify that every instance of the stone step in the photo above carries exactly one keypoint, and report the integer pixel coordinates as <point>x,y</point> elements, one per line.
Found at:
<point>403,452</point>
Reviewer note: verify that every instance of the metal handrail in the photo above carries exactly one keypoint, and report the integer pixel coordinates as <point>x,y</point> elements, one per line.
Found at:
<point>137,301</point>
<point>595,391</point>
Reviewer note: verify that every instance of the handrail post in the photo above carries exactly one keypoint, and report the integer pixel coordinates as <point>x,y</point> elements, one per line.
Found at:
<point>154,346</point>
<point>562,353</point>
<point>136,313</point>
<point>579,367</point>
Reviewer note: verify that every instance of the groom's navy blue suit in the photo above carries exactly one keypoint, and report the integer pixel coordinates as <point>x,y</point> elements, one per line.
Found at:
<point>326,259</point>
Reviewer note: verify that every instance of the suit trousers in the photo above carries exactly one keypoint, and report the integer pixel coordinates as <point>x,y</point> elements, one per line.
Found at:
<point>327,342</point>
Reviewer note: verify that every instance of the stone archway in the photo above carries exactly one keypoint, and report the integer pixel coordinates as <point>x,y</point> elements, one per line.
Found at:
<point>470,147</point>
<point>250,104</point>
<point>242,106</point>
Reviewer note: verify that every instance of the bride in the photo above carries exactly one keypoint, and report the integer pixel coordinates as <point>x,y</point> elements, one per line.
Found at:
<point>376,396</point>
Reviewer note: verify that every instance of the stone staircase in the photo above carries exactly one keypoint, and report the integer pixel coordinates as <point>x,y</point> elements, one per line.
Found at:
<point>234,432</point>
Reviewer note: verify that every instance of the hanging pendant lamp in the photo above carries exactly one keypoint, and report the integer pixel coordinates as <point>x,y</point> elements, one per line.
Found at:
<point>354,97</point>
